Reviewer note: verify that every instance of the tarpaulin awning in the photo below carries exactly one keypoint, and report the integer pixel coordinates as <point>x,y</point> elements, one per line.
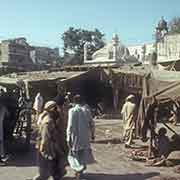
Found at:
<point>156,91</point>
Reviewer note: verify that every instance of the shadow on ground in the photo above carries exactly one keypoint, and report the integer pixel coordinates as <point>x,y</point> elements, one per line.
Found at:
<point>136,176</point>
<point>106,141</point>
<point>22,158</point>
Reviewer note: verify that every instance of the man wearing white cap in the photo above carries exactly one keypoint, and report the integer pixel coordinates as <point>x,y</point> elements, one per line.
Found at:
<point>50,150</point>
<point>128,113</point>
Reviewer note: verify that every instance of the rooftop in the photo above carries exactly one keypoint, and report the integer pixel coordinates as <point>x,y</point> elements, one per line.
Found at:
<point>37,76</point>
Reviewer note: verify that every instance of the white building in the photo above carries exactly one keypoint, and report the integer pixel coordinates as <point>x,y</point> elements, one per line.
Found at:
<point>141,52</point>
<point>165,44</point>
<point>113,52</point>
<point>169,48</point>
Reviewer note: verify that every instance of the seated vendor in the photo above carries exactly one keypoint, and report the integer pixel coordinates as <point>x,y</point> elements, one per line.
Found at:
<point>162,143</point>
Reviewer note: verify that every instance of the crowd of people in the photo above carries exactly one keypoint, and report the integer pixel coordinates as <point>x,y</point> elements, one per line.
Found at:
<point>59,140</point>
<point>65,130</point>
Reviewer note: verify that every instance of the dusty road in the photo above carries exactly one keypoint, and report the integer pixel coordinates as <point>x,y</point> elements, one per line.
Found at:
<point>112,161</point>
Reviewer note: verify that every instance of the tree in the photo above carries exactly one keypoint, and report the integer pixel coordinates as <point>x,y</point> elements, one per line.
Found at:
<point>174,25</point>
<point>74,40</point>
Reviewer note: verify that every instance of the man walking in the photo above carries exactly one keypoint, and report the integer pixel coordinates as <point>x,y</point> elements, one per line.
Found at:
<point>128,113</point>
<point>80,130</point>
<point>51,151</point>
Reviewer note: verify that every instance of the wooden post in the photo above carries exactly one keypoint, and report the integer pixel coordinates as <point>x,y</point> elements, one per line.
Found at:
<point>27,89</point>
<point>28,118</point>
<point>150,145</point>
<point>28,128</point>
<point>152,129</point>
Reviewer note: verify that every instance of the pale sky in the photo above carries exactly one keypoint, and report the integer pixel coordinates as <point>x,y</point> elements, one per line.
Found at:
<point>43,21</point>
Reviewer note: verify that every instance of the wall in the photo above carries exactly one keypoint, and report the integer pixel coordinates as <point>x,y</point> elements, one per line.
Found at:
<point>168,49</point>
<point>137,51</point>
<point>16,53</point>
<point>44,55</point>
<point>4,52</point>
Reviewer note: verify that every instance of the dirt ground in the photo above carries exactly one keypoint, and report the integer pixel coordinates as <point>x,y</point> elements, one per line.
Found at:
<point>112,160</point>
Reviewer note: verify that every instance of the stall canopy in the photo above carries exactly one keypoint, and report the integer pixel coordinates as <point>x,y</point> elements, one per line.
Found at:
<point>160,87</point>
<point>43,81</point>
<point>128,78</point>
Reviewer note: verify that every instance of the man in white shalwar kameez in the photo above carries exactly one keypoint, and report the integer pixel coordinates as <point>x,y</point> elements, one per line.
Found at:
<point>80,130</point>
<point>128,113</point>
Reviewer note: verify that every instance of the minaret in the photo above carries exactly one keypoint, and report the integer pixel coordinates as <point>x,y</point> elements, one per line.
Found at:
<point>86,51</point>
<point>161,32</point>
<point>115,41</point>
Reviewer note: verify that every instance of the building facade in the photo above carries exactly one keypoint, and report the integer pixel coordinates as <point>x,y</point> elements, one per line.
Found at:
<point>113,52</point>
<point>44,55</point>
<point>166,45</point>
<point>168,49</point>
<point>141,52</point>
<point>15,52</point>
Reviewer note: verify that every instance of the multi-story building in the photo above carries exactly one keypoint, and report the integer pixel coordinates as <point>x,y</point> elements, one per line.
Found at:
<point>169,48</point>
<point>16,53</point>
<point>166,45</point>
<point>44,55</point>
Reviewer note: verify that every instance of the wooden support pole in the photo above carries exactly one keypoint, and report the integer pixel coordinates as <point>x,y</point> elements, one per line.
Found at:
<point>27,89</point>
<point>150,145</point>
<point>28,117</point>
<point>28,129</point>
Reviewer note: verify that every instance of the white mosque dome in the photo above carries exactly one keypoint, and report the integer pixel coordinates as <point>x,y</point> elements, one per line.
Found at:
<point>107,52</point>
